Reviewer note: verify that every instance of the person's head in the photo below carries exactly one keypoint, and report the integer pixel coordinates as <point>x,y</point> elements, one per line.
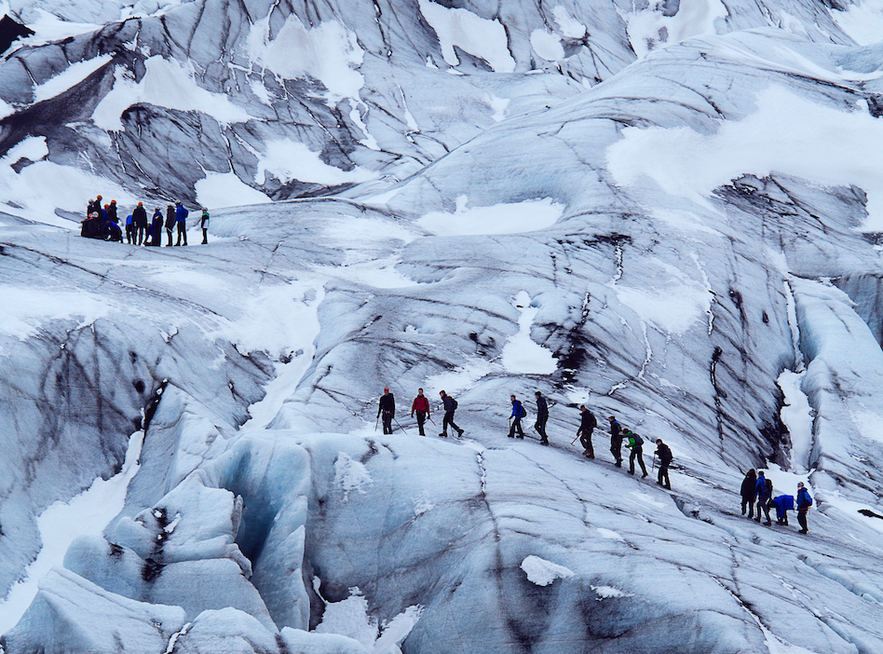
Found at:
<point>582,407</point>
<point>511,398</point>
<point>419,391</point>
<point>760,473</point>
<point>170,206</point>
<point>799,484</point>
<point>98,197</point>
<point>385,391</point>
<point>611,418</point>
<point>178,203</point>
<point>659,441</point>
<point>537,393</point>
<point>140,204</point>
<point>442,393</point>
<point>113,201</point>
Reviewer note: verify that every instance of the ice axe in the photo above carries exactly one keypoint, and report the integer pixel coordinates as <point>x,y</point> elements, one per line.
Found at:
<point>397,422</point>
<point>376,421</point>
<point>653,467</point>
<point>574,440</point>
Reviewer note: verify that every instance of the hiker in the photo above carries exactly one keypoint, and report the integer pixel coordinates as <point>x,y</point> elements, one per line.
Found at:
<point>749,493</point>
<point>518,413</point>
<point>420,405</point>
<point>587,425</point>
<point>170,222</point>
<point>764,492</point>
<point>139,216</point>
<point>130,230</point>
<point>783,504</point>
<point>112,214</point>
<point>181,221</point>
<point>663,451</point>
<point>804,501</point>
<point>157,227</point>
<point>542,418</point>
<point>387,408</point>
<point>636,444</point>
<point>203,224</point>
<point>615,440</point>
<point>450,405</point>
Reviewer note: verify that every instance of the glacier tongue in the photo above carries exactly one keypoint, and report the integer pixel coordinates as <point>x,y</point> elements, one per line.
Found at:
<point>658,238</point>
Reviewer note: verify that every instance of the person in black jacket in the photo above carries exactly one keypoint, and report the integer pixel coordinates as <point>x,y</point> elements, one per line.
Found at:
<point>450,405</point>
<point>587,425</point>
<point>139,216</point>
<point>542,418</point>
<point>749,493</point>
<point>665,457</point>
<point>387,408</point>
<point>615,440</point>
<point>170,222</point>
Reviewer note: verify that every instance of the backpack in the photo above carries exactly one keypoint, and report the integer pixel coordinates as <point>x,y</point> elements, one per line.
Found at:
<point>638,439</point>
<point>593,421</point>
<point>453,404</point>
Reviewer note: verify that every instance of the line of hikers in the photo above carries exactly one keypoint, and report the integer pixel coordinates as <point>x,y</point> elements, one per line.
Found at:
<point>103,223</point>
<point>757,494</point>
<point>420,407</point>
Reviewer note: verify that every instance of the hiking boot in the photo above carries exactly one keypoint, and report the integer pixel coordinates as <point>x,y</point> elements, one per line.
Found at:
<point>459,433</point>
<point>644,475</point>
<point>618,464</point>
<point>544,442</point>
<point>443,434</point>
<point>521,436</point>
<point>668,487</point>
<point>802,531</point>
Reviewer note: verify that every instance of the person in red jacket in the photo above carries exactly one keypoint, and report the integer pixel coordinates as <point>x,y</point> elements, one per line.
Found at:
<point>420,405</point>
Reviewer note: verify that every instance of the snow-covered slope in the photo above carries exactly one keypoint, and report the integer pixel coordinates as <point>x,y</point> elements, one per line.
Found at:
<point>556,198</point>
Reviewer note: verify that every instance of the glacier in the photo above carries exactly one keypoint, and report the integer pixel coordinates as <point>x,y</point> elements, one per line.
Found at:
<point>667,211</point>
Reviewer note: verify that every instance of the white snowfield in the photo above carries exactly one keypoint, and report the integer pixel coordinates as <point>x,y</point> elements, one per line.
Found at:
<point>485,200</point>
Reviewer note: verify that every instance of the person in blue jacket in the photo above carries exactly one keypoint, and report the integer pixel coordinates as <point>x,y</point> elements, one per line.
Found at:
<point>764,493</point>
<point>804,501</point>
<point>783,504</point>
<point>181,221</point>
<point>518,413</point>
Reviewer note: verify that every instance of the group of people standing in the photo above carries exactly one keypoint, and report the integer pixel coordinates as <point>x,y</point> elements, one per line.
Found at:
<point>103,222</point>
<point>420,409</point>
<point>757,496</point>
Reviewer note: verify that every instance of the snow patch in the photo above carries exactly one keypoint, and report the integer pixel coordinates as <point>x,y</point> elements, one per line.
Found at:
<point>289,160</point>
<point>166,83</point>
<point>482,38</point>
<point>569,26</point>
<point>521,355</point>
<point>608,592</point>
<point>514,218</point>
<point>62,523</point>
<point>350,475</point>
<point>26,309</point>
<point>547,45</point>
<point>862,22</point>
<point>797,415</point>
<point>328,53</point>
<point>24,193</point>
<point>788,134</point>
<point>542,572</point>
<point>226,190</point>
<point>649,27</point>
<point>69,77</point>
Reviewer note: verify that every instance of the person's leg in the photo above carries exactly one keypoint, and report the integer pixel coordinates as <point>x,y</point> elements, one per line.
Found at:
<point>632,461</point>
<point>421,418</point>
<point>517,425</point>
<point>801,519</point>
<point>641,461</point>
<point>205,235</point>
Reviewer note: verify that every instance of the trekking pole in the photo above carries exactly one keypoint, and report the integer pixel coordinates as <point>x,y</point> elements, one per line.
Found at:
<point>376,421</point>
<point>653,467</point>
